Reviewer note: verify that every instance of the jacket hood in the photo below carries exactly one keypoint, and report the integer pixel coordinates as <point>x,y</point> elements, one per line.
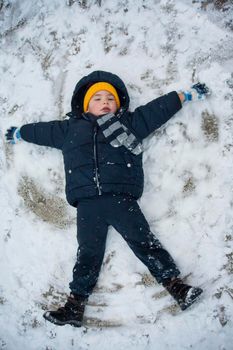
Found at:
<point>94,77</point>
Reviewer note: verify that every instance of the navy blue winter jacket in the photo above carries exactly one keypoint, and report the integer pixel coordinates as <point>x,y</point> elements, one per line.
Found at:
<point>92,165</point>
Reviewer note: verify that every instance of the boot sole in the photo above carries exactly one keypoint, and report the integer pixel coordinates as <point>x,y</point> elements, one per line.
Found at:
<point>193,297</point>
<point>57,322</point>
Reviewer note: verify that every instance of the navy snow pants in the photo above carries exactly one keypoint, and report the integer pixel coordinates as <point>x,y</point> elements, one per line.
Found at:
<point>94,216</point>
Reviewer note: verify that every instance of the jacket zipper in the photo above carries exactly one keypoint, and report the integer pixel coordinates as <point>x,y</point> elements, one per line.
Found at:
<point>96,162</point>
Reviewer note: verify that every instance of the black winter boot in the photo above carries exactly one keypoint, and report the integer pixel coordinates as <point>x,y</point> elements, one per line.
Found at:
<point>184,294</point>
<point>71,313</point>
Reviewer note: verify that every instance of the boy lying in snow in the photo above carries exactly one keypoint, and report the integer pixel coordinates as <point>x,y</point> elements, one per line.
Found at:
<point>102,148</point>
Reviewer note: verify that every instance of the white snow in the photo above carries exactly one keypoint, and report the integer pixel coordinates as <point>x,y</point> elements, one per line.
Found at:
<point>155,46</point>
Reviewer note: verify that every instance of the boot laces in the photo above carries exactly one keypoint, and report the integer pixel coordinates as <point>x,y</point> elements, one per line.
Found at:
<point>177,288</point>
<point>72,305</point>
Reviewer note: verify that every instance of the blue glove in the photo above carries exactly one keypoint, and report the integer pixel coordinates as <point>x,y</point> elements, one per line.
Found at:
<point>197,92</point>
<point>13,135</point>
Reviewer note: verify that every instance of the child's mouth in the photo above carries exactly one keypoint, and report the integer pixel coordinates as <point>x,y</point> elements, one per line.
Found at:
<point>105,110</point>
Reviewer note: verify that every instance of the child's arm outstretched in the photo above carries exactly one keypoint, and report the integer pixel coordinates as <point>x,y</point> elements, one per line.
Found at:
<point>51,134</point>
<point>154,114</point>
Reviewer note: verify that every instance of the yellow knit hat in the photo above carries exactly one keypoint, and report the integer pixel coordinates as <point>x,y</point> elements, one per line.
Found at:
<point>98,87</point>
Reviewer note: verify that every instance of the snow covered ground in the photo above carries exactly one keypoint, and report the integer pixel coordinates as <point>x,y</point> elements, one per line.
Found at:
<point>155,46</point>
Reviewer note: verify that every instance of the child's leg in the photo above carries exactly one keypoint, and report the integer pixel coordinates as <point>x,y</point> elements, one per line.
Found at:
<point>130,222</point>
<point>91,234</point>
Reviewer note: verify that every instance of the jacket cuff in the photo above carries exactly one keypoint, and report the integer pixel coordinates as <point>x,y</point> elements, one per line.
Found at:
<point>175,100</point>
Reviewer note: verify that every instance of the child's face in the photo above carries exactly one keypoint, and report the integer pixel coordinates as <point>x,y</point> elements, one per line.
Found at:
<point>102,102</point>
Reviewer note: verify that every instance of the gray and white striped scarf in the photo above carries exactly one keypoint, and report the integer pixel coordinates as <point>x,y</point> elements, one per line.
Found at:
<point>118,134</point>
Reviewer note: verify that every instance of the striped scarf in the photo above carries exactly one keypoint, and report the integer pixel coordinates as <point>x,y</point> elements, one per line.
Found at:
<point>118,134</point>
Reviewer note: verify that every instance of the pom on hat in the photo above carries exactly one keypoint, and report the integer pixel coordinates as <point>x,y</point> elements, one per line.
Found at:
<point>98,87</point>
